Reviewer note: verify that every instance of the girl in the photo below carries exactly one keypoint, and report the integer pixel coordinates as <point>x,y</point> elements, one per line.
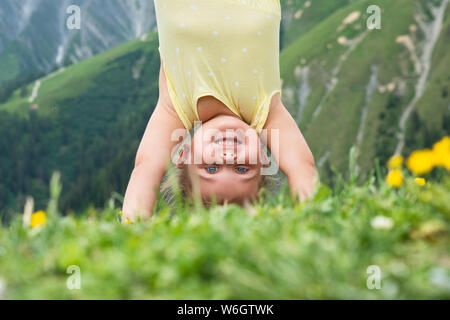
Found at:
<point>219,66</point>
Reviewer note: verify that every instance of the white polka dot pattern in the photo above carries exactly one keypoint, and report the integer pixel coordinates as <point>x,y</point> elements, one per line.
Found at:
<point>213,49</point>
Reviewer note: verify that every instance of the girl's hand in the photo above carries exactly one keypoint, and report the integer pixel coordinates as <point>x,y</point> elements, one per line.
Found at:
<point>302,188</point>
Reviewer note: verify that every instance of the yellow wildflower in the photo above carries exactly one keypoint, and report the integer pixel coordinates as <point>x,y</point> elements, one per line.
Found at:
<point>441,152</point>
<point>37,219</point>
<point>395,178</point>
<point>420,181</point>
<point>421,161</point>
<point>128,221</point>
<point>395,162</point>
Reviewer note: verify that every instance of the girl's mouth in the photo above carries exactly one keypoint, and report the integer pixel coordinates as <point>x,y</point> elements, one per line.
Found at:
<point>228,141</point>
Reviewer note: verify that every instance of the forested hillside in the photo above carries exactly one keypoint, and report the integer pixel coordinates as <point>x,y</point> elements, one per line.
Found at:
<point>85,121</point>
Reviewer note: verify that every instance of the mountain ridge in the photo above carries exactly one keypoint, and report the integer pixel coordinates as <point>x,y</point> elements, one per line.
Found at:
<point>41,25</point>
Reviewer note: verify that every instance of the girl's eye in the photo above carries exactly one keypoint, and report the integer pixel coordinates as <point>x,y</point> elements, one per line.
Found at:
<point>241,169</point>
<point>211,169</point>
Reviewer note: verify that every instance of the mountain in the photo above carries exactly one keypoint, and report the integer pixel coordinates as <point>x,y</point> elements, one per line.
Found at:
<point>35,36</point>
<point>382,91</point>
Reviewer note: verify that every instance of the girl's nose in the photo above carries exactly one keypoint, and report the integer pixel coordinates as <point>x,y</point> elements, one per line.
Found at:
<point>229,157</point>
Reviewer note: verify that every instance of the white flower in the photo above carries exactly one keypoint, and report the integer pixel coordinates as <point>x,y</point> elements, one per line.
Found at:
<point>382,222</point>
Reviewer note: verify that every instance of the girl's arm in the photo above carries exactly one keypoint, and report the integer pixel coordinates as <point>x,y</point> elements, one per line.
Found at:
<point>152,158</point>
<point>294,156</point>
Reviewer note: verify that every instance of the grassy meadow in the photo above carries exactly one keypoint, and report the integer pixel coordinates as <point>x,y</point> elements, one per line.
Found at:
<point>324,248</point>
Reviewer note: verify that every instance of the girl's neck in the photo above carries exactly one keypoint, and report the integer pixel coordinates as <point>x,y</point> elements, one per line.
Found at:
<point>209,107</point>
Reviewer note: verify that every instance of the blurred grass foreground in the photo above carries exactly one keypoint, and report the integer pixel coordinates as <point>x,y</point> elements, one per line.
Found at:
<point>332,246</point>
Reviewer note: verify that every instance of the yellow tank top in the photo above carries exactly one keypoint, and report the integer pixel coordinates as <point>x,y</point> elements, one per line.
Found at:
<point>228,49</point>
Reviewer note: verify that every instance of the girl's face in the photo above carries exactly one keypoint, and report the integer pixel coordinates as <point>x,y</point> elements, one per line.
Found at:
<point>225,161</point>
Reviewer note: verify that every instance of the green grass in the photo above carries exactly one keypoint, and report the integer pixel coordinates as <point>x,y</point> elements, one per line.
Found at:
<point>319,249</point>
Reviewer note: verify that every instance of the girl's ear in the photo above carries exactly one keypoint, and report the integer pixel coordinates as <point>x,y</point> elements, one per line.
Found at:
<point>183,156</point>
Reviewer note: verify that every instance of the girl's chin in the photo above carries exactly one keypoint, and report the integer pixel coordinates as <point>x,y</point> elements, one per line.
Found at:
<point>224,122</point>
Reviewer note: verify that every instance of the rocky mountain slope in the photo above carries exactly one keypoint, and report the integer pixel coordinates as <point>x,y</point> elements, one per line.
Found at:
<point>34,35</point>
<point>383,91</point>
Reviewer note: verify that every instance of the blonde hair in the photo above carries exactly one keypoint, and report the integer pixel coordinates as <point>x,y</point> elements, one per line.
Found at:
<point>177,181</point>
